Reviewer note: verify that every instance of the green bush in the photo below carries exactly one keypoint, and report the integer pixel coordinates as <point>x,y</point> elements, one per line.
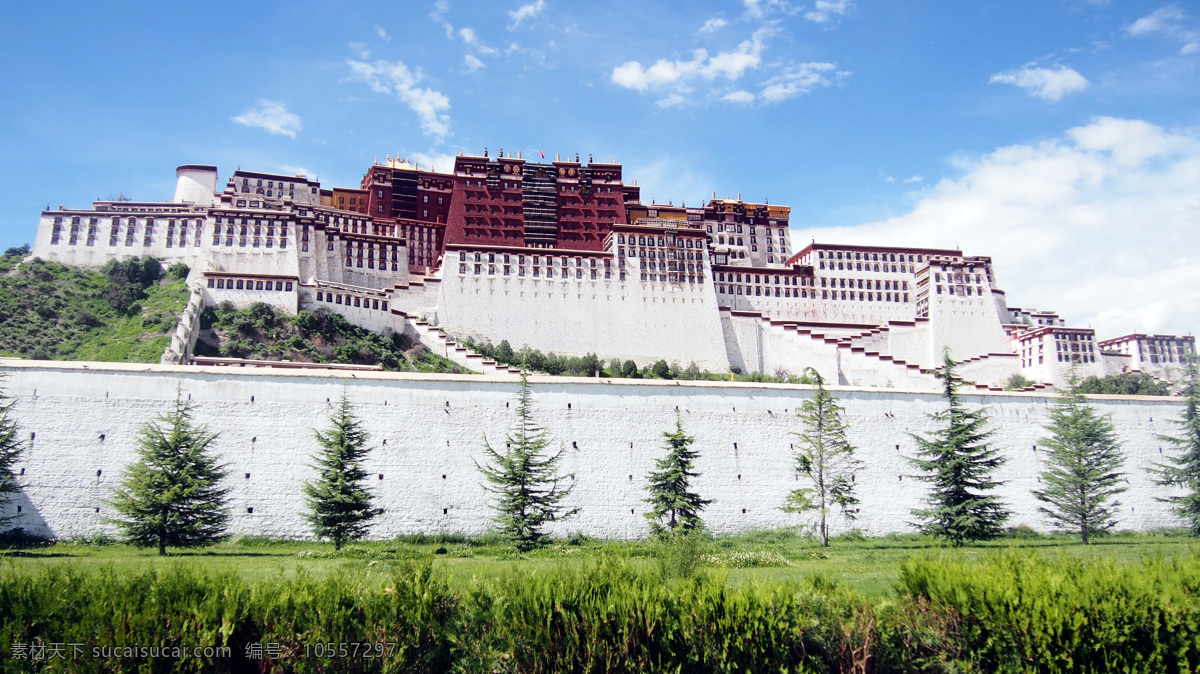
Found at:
<point>1016,611</point>
<point>1004,611</point>
<point>179,605</point>
<point>179,270</point>
<point>1126,383</point>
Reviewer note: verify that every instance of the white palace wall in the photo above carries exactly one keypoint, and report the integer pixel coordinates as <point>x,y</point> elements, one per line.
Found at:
<point>643,321</point>
<point>82,420</point>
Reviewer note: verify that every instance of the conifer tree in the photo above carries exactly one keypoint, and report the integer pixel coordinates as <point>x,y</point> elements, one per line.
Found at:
<point>339,504</point>
<point>1080,478</point>
<point>1183,470</point>
<point>10,451</point>
<point>825,457</point>
<point>172,494</point>
<point>528,489</point>
<point>671,496</point>
<point>957,461</point>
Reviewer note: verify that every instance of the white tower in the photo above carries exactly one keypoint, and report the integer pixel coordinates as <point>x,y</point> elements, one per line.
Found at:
<point>197,183</point>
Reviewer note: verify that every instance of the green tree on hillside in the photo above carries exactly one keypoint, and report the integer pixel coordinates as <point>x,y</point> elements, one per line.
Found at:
<point>673,504</point>
<point>172,495</point>
<point>629,369</point>
<point>1183,470</point>
<point>339,504</point>
<point>825,457</point>
<point>1081,475</point>
<point>1017,381</point>
<point>525,479</point>
<point>1125,383</point>
<point>958,463</point>
<point>10,451</point>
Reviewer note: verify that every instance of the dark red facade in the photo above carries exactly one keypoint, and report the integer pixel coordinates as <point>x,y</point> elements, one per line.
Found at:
<point>499,201</point>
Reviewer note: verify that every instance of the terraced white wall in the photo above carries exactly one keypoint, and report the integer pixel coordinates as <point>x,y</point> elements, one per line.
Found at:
<point>82,420</point>
<point>608,317</point>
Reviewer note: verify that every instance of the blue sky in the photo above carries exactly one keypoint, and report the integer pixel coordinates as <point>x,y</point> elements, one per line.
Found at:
<point>1060,137</point>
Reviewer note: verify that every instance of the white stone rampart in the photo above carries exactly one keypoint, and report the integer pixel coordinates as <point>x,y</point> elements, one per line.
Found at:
<point>642,321</point>
<point>82,420</point>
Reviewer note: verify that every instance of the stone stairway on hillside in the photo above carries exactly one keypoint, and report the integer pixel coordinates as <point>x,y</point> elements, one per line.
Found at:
<point>432,337</point>
<point>865,350</point>
<point>874,342</point>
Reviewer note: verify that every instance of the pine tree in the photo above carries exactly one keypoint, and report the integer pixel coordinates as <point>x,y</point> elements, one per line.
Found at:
<point>339,505</point>
<point>826,458</point>
<point>529,491</point>
<point>10,451</point>
<point>1183,470</point>
<point>1081,469</point>
<point>957,461</point>
<point>172,494</point>
<point>671,497</point>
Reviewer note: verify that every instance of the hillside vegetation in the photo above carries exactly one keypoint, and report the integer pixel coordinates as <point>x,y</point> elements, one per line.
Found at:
<point>122,313</point>
<point>591,366</point>
<point>262,333</point>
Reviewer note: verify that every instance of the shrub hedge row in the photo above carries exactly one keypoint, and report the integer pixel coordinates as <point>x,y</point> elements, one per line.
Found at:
<point>1007,612</point>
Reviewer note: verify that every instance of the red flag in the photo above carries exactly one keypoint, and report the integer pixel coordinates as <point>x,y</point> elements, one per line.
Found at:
<point>543,155</point>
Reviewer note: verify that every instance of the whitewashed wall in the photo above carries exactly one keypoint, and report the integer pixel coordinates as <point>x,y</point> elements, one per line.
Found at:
<point>613,319</point>
<point>428,429</point>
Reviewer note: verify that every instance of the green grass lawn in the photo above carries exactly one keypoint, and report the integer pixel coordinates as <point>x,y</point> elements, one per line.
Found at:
<point>868,566</point>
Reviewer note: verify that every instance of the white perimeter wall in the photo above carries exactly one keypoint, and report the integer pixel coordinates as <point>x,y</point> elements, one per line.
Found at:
<point>433,426</point>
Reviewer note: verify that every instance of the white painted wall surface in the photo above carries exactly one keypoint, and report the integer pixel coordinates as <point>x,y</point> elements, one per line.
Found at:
<point>433,426</point>
<point>642,321</point>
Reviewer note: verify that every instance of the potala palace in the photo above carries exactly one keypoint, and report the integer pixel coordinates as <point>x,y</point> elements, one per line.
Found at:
<point>563,256</point>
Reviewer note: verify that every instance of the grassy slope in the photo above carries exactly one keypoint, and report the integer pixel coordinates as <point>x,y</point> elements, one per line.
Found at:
<point>870,567</point>
<point>52,311</point>
<point>260,332</point>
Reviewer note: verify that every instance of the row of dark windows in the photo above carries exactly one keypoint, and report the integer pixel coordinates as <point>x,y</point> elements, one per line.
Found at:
<point>358,301</point>
<point>249,284</point>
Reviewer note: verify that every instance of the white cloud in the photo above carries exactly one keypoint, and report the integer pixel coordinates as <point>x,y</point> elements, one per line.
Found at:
<point>678,79</point>
<point>471,38</point>
<point>397,80</point>
<point>1162,20</point>
<point>472,63</point>
<point>795,80</point>
<point>441,162</point>
<point>1048,84</point>
<point>739,96</point>
<point>439,10</point>
<point>1126,142</point>
<point>383,34</point>
<point>296,170</point>
<point>664,74</point>
<point>825,11</point>
<point>671,101</point>
<point>272,117</point>
<point>360,50</point>
<point>713,25</point>
<point>1098,225</point>
<point>525,12</point>
<point>760,9</point>
<point>1169,21</point>
<point>914,179</point>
